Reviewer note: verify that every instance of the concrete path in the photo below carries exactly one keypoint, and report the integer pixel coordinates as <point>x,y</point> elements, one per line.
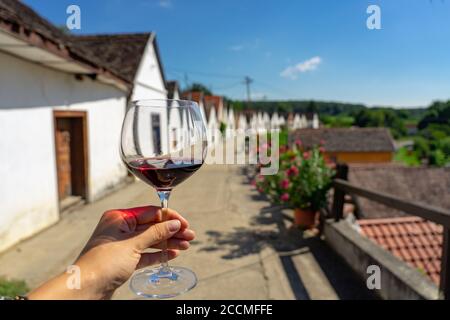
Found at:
<point>244,248</point>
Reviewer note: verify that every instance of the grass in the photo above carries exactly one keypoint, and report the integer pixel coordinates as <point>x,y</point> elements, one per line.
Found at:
<point>11,288</point>
<point>407,157</point>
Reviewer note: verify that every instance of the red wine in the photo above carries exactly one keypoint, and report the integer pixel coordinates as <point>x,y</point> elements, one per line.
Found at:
<point>163,174</point>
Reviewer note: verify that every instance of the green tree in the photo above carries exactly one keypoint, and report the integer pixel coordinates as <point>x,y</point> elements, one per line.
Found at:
<point>199,87</point>
<point>421,147</point>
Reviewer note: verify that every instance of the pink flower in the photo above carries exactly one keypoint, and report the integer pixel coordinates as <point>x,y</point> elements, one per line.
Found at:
<point>298,142</point>
<point>253,183</point>
<point>331,165</point>
<point>321,149</point>
<point>292,171</point>
<point>260,190</point>
<point>284,197</point>
<point>322,142</point>
<point>263,147</point>
<point>260,178</point>
<point>284,184</point>
<point>306,155</point>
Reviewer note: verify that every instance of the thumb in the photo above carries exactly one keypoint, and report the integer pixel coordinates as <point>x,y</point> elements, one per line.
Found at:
<point>157,233</point>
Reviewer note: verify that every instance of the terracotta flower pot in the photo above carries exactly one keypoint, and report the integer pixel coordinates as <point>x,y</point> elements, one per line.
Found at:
<point>304,218</point>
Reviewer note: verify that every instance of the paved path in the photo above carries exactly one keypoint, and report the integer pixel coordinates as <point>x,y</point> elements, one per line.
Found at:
<point>243,250</point>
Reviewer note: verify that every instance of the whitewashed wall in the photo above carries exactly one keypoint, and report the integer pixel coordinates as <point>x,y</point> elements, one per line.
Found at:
<point>28,186</point>
<point>149,84</point>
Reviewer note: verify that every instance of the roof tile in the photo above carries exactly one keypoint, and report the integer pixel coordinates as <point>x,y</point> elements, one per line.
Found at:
<point>346,139</point>
<point>413,240</point>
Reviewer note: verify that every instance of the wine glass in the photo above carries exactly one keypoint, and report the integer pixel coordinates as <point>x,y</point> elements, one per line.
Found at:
<point>163,143</point>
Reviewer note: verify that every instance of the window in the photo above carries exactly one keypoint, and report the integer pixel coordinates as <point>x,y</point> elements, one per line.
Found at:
<point>174,138</point>
<point>156,133</point>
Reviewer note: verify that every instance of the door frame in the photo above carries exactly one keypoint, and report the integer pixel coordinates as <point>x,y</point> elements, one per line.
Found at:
<point>82,115</point>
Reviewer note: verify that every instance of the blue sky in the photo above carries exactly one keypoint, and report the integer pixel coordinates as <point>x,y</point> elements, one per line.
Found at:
<point>297,49</point>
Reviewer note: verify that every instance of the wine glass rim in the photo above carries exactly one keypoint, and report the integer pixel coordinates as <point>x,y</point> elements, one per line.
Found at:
<point>163,103</point>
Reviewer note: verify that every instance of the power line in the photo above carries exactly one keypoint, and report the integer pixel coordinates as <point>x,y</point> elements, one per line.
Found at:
<point>207,74</point>
<point>248,81</point>
<point>229,86</point>
<point>275,88</point>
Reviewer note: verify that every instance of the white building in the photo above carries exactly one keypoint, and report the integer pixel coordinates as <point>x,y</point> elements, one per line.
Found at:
<point>274,121</point>
<point>230,120</point>
<point>61,112</point>
<point>136,58</point>
<point>315,121</point>
<point>198,97</point>
<point>215,115</point>
<point>242,123</point>
<point>176,128</point>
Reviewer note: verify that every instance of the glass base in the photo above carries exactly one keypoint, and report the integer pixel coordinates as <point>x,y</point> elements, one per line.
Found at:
<point>160,283</point>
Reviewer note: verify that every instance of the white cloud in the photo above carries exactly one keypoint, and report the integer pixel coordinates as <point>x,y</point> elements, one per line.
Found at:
<point>247,45</point>
<point>165,3</point>
<point>292,72</point>
<point>237,47</point>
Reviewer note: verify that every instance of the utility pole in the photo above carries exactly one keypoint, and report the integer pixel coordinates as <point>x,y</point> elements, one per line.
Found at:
<point>248,81</point>
<point>186,80</point>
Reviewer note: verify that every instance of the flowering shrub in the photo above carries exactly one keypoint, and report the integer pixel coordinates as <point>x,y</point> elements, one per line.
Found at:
<point>303,180</point>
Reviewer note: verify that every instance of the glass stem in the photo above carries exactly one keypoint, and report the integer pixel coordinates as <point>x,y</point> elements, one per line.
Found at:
<point>164,198</point>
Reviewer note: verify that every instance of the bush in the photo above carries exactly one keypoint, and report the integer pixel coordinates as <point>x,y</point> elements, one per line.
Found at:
<point>438,158</point>
<point>421,147</point>
<point>11,288</point>
<point>302,181</point>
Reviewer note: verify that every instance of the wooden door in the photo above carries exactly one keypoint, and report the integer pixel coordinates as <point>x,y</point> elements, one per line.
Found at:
<point>71,153</point>
<point>63,156</point>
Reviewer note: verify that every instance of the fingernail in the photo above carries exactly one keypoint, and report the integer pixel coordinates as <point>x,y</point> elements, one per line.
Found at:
<point>174,225</point>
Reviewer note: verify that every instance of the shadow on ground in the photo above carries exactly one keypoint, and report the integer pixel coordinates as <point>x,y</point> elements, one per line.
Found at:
<point>268,228</point>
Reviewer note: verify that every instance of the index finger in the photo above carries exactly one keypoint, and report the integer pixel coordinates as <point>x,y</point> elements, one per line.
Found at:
<point>149,214</point>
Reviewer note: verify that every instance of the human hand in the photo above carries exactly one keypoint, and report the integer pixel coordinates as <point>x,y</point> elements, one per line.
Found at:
<point>117,248</point>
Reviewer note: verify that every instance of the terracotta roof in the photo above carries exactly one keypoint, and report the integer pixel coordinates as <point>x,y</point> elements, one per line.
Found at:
<point>26,24</point>
<point>213,102</point>
<point>411,239</point>
<point>121,53</point>
<point>422,184</point>
<point>196,96</point>
<point>346,139</point>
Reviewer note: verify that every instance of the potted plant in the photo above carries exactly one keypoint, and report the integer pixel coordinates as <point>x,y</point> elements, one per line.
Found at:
<point>302,183</point>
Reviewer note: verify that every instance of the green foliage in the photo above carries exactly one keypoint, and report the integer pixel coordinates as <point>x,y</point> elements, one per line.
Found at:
<point>421,147</point>
<point>238,105</point>
<point>222,128</point>
<point>382,117</point>
<point>407,157</point>
<point>11,288</point>
<point>199,87</point>
<point>338,121</point>
<point>302,181</point>
<point>444,145</point>
<point>433,140</point>
<point>437,113</point>
<point>284,137</point>
<point>438,158</point>
<point>300,106</point>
